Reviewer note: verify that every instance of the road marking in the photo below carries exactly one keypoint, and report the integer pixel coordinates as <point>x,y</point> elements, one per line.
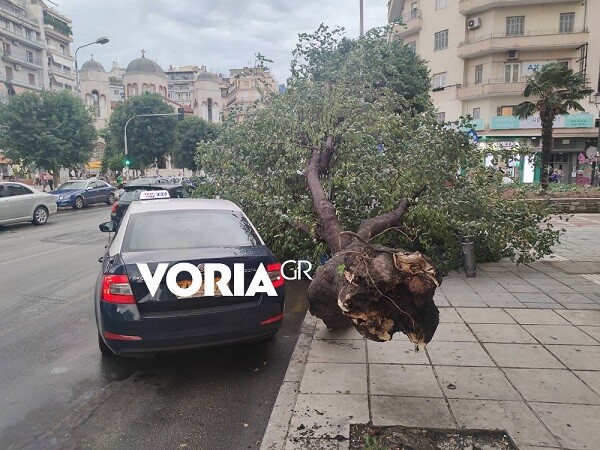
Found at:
<point>63,246</point>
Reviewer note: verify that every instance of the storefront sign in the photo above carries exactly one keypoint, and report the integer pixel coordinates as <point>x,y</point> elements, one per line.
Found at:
<point>584,120</point>
<point>477,125</point>
<point>528,67</point>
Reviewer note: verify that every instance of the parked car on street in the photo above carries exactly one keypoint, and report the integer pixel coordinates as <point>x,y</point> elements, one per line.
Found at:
<point>21,203</point>
<point>131,320</point>
<point>80,193</point>
<point>132,193</point>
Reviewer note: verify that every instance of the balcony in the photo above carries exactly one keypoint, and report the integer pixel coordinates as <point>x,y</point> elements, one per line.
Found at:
<point>54,70</point>
<point>490,88</point>
<point>468,7</point>
<point>530,40</point>
<point>32,63</point>
<point>31,42</point>
<point>57,34</point>
<point>20,14</point>
<point>412,22</point>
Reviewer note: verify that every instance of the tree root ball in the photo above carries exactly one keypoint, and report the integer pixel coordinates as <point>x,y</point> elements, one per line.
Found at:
<point>380,291</point>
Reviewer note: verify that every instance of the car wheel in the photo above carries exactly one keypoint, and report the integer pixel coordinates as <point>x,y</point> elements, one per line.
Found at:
<point>40,215</point>
<point>104,348</point>
<point>111,199</point>
<point>78,203</point>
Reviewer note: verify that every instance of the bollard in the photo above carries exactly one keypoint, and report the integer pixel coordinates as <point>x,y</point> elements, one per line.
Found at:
<point>468,247</point>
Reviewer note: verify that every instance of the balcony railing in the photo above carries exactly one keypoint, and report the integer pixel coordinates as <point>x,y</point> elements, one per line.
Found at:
<point>21,37</point>
<point>19,13</point>
<point>530,39</point>
<point>18,59</point>
<point>491,87</point>
<point>475,6</point>
<point>411,22</point>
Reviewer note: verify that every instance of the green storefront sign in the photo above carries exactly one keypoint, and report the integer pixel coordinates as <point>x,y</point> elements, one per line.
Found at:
<point>584,120</point>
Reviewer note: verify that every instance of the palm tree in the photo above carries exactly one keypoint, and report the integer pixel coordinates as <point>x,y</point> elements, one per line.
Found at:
<point>558,90</point>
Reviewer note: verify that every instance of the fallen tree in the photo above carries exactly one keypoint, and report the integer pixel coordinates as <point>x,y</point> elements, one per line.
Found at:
<point>351,168</point>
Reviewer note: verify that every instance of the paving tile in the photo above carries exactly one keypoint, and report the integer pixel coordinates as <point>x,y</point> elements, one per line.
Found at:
<point>523,355</point>
<point>533,317</point>
<point>502,333</point>
<point>514,417</point>
<point>577,357</point>
<point>591,331</point>
<point>343,351</point>
<point>559,334</point>
<point>501,304</point>
<point>449,315</point>
<point>523,288</point>
<point>530,297</point>
<point>447,331</point>
<point>468,304</point>
<point>582,317</point>
<point>569,298</point>
<point>403,381</point>
<point>553,305</point>
<point>475,383</point>
<point>316,444</point>
<point>321,332</point>
<point>551,385</point>
<point>397,351</point>
<point>332,378</point>
<point>458,354</point>
<point>579,306</point>
<point>575,426</point>
<point>593,297</point>
<point>591,378</point>
<point>410,412</point>
<point>484,315</point>
<point>320,415</point>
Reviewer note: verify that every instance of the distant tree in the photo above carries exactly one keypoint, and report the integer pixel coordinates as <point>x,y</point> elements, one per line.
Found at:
<point>148,138</point>
<point>190,132</point>
<point>557,89</point>
<point>50,129</point>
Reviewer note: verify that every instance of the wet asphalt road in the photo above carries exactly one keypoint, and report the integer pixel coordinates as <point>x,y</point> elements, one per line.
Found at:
<point>56,391</point>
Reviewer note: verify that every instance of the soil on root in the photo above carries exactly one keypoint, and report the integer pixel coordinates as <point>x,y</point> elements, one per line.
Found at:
<point>368,437</point>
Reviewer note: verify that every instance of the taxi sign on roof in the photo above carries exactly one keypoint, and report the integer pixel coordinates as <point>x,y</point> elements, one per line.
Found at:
<point>150,195</point>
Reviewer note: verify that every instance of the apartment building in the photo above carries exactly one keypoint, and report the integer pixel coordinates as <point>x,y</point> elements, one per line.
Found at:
<point>480,54</point>
<point>35,42</point>
<point>181,83</point>
<point>245,86</point>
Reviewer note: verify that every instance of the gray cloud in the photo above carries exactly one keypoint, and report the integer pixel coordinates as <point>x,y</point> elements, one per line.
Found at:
<point>221,34</point>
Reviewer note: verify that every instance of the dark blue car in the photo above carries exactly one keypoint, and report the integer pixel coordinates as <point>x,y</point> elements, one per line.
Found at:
<point>80,193</point>
<point>135,317</point>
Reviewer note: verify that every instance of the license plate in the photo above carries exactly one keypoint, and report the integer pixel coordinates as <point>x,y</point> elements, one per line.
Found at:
<point>184,284</point>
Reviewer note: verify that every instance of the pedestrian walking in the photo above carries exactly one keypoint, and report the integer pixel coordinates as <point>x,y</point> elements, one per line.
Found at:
<point>37,179</point>
<point>44,180</point>
<point>73,175</point>
<point>50,180</point>
<point>119,181</point>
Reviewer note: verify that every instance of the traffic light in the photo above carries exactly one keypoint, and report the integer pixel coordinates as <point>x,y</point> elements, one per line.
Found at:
<point>180,113</point>
<point>127,162</point>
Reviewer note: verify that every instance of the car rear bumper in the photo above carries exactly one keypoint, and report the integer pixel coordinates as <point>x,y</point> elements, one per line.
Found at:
<point>137,334</point>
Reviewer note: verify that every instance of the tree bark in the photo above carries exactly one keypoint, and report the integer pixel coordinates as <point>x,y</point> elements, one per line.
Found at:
<point>547,144</point>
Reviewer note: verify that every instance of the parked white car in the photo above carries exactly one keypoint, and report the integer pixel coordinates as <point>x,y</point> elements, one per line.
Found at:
<point>21,203</point>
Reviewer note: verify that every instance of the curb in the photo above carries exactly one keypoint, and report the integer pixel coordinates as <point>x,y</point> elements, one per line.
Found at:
<point>277,428</point>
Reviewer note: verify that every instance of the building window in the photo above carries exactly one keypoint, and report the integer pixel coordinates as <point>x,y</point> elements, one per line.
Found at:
<point>476,113</point>
<point>115,91</point>
<point>511,73</point>
<point>29,56</point>
<point>439,4</point>
<point>414,10</point>
<point>566,22</point>
<point>210,110</point>
<point>412,46</point>
<point>515,26</point>
<point>505,110</point>
<point>32,79</point>
<point>96,99</point>
<point>440,117</point>
<point>440,40</point>
<point>479,74</point>
<point>9,73</point>
<point>63,50</point>
<point>439,80</point>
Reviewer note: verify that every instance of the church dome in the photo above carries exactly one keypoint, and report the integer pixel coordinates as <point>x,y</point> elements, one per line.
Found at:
<point>144,66</point>
<point>205,76</point>
<point>94,66</point>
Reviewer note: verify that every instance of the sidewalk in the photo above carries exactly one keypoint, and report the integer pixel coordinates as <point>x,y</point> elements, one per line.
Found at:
<point>517,348</point>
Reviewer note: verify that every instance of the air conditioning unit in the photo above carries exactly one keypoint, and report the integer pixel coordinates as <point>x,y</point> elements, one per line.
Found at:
<point>16,43</point>
<point>473,24</point>
<point>512,54</point>
<point>17,66</point>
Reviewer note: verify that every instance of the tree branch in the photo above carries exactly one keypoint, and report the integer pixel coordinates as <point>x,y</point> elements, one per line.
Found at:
<point>298,225</point>
<point>376,225</point>
<point>326,156</point>
<point>331,226</point>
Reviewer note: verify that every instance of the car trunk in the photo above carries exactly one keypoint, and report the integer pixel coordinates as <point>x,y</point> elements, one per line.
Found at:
<point>164,302</point>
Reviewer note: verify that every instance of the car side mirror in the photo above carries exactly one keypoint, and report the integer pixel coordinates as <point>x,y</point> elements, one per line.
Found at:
<point>89,188</point>
<point>108,227</point>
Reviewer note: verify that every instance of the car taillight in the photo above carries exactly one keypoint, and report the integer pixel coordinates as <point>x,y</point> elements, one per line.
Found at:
<point>116,289</point>
<point>113,209</point>
<point>274,271</point>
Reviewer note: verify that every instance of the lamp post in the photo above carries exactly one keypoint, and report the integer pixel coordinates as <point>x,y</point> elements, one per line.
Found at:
<point>101,40</point>
<point>597,155</point>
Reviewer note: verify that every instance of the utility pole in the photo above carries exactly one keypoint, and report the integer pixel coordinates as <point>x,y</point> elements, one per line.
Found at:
<point>362,19</point>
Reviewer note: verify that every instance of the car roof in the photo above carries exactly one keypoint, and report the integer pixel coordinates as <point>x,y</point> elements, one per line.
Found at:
<point>164,186</point>
<point>175,204</point>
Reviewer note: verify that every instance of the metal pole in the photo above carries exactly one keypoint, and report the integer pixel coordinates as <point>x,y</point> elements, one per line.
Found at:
<point>362,19</point>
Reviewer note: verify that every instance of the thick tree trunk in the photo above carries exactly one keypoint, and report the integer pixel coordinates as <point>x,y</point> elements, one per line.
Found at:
<point>547,144</point>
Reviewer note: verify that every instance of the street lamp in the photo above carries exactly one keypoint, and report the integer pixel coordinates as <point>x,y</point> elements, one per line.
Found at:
<point>597,155</point>
<point>101,40</point>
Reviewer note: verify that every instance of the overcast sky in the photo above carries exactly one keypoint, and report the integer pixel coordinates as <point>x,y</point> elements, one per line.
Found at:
<point>220,34</point>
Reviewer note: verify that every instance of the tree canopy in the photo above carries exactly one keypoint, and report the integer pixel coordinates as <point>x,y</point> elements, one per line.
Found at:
<point>557,90</point>
<point>48,129</point>
<point>190,132</point>
<point>147,137</point>
<point>351,145</point>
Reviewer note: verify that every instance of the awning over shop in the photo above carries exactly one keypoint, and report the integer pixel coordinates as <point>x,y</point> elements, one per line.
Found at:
<point>62,60</point>
<point>94,165</point>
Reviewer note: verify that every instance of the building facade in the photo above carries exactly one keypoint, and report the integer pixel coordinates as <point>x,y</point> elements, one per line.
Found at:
<point>58,38</point>
<point>480,54</point>
<point>245,86</point>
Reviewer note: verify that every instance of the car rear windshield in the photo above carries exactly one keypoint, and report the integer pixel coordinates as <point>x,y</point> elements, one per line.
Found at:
<point>162,230</point>
<point>73,185</point>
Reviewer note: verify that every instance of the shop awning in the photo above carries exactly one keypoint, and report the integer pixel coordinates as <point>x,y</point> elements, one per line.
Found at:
<point>94,165</point>
<point>62,60</point>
